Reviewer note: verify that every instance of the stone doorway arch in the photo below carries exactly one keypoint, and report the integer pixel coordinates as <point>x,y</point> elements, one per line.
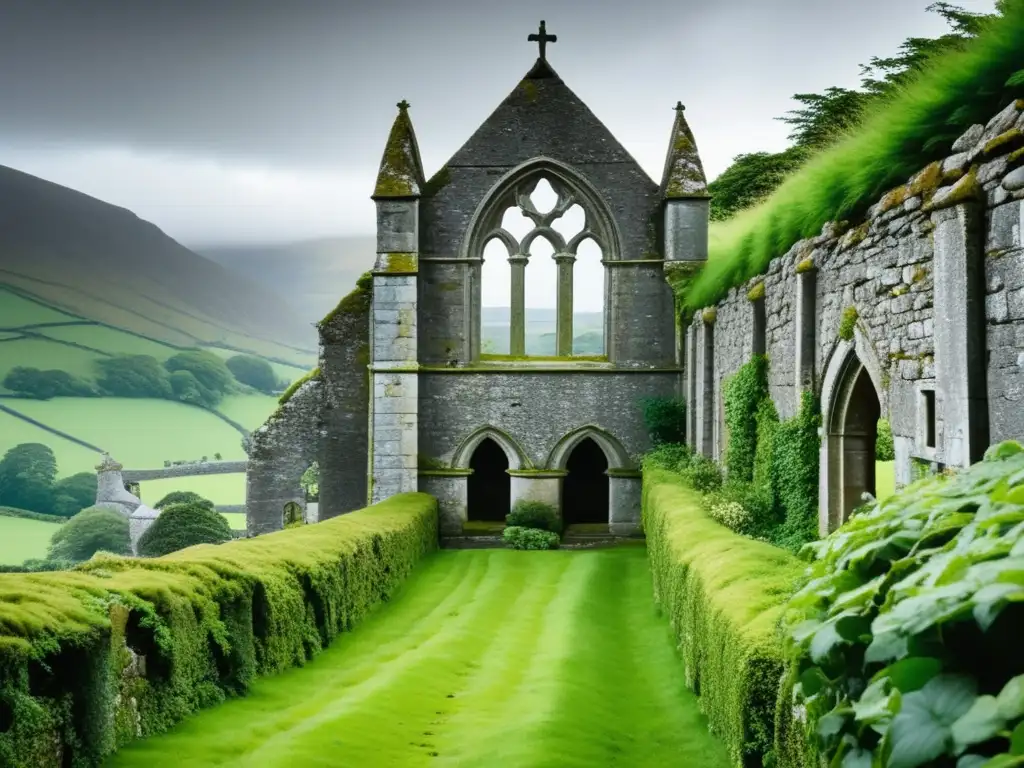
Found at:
<point>851,408</point>
<point>489,487</point>
<point>585,489</point>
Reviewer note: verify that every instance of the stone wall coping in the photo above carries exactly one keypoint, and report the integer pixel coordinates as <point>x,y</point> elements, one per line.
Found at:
<point>537,473</point>
<point>492,369</point>
<point>445,472</point>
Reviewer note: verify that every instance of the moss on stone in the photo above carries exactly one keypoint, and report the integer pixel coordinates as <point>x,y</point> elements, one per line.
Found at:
<point>355,301</point>
<point>1015,158</point>
<point>899,290</point>
<point>926,181</point>
<point>894,197</point>
<point>437,182</point>
<point>952,175</point>
<point>919,274</point>
<point>448,286</point>
<point>848,323</point>
<point>963,191</point>
<point>757,292</point>
<point>401,173</point>
<point>1004,142</point>
<point>528,88</point>
<point>429,462</point>
<point>398,263</point>
<point>709,315</point>
<point>296,385</point>
<point>545,358</point>
<point>805,265</point>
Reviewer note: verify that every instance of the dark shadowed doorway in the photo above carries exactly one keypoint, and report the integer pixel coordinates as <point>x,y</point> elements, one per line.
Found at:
<point>585,489</point>
<point>490,487</point>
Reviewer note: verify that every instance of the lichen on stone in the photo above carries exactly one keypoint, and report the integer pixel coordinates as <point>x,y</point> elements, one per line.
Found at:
<point>708,316</point>
<point>684,173</point>
<point>297,384</point>
<point>397,263</point>
<point>429,462</point>
<point>962,191</point>
<point>757,292</point>
<point>1004,142</point>
<point>680,276</point>
<point>401,172</point>
<point>1015,158</point>
<point>848,323</point>
<point>805,265</point>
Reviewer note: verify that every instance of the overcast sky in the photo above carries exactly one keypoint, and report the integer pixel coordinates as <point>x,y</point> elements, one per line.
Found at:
<point>237,121</point>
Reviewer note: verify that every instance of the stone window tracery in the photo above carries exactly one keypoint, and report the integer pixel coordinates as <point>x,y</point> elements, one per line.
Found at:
<point>547,236</point>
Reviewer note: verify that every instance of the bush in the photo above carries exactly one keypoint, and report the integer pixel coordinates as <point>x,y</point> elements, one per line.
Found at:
<point>674,457</point>
<point>743,508</point>
<point>518,537</point>
<point>703,474</point>
<point>723,594</point>
<point>73,494</point>
<point>182,497</point>
<point>885,450</point>
<point>209,621</point>
<point>44,385</point>
<point>665,418</point>
<point>905,639</point>
<point>90,531</point>
<point>208,369</point>
<point>27,474</point>
<point>133,376</point>
<point>534,514</point>
<point>743,393</point>
<point>184,525</point>
<point>254,372</point>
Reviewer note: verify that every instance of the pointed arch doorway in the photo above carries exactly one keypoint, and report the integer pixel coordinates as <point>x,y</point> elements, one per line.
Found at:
<point>489,488</point>
<point>852,429</point>
<point>585,488</point>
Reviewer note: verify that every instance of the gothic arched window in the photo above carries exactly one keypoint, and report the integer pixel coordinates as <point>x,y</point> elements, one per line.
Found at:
<point>541,242</point>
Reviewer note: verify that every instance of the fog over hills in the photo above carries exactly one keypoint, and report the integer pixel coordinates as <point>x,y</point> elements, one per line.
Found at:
<point>104,263</point>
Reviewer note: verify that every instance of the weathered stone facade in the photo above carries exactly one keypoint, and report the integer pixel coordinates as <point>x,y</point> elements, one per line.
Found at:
<point>436,397</point>
<point>932,288</point>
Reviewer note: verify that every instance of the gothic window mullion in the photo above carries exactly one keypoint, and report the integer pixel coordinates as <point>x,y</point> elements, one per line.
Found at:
<point>517,307</point>
<point>563,313</point>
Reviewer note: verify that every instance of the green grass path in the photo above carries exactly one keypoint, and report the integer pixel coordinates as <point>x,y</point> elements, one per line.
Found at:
<point>486,658</point>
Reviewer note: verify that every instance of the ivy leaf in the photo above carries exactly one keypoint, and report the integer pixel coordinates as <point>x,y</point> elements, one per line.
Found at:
<point>990,601</point>
<point>911,674</point>
<point>1011,699</point>
<point>1017,740</point>
<point>886,646</point>
<point>812,680</point>
<point>921,730</point>
<point>858,758</point>
<point>824,640</point>
<point>980,723</point>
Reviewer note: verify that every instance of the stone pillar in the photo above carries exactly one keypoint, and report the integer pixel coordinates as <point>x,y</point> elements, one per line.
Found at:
<point>451,489</point>
<point>686,229</point>
<point>960,343</point>
<point>538,485</point>
<point>691,386</point>
<point>517,317</point>
<point>394,412</point>
<point>704,427</point>
<point>624,491</point>
<point>110,490</point>
<point>563,325</point>
<point>806,327</point>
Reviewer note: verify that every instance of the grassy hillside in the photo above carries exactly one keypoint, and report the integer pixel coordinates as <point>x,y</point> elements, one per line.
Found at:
<point>102,263</point>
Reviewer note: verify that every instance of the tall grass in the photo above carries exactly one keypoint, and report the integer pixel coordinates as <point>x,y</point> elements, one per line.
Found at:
<point>898,136</point>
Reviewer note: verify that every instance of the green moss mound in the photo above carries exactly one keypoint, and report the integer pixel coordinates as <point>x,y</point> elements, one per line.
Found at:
<point>905,638</point>
<point>184,525</point>
<point>207,620</point>
<point>724,595</point>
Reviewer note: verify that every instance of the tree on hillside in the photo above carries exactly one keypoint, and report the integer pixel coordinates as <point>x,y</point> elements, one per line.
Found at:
<point>184,525</point>
<point>182,497</point>
<point>27,472</point>
<point>187,389</point>
<point>73,494</point>
<point>254,372</point>
<point>133,376</point>
<point>211,378</point>
<point>90,531</point>
<point>44,385</point>
<point>824,117</point>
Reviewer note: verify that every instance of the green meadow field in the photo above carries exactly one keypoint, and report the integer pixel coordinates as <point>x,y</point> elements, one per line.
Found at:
<point>22,540</point>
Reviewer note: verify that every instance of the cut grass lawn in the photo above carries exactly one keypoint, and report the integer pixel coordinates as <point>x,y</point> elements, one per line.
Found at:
<point>885,479</point>
<point>22,540</point>
<point>486,658</point>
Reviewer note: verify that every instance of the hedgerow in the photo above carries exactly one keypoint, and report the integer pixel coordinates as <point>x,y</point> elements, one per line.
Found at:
<point>206,621</point>
<point>723,594</point>
<point>903,134</point>
<point>905,638</point>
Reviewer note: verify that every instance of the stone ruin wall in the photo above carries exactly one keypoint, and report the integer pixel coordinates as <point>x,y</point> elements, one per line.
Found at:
<point>966,210</point>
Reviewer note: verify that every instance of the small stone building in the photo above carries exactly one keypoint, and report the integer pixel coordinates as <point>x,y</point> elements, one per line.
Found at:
<point>112,494</point>
<point>405,397</point>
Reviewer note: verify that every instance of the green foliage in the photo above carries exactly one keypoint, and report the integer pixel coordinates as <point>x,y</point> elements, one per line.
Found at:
<point>183,525</point>
<point>750,179</point>
<point>794,475</point>
<point>743,393</point>
<point>90,531</point>
<point>665,418</point>
<point>723,594</point>
<point>534,514</point>
<point>702,474</point>
<point>884,448</point>
<point>742,507</point>
<point>44,385</point>
<point>674,457</point>
<point>847,323</point>
<point>208,619</point>
<point>905,637</point>
<point>310,482</point>
<point>517,537</point>
<point>201,377</point>
<point>27,473</point>
<point>73,494</point>
<point>133,376</point>
<point>254,372</point>
<point>182,497</point>
<point>27,514</point>
<point>295,385</point>
<point>912,124</point>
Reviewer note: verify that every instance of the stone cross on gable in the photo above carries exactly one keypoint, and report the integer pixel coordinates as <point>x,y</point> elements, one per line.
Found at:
<point>543,38</point>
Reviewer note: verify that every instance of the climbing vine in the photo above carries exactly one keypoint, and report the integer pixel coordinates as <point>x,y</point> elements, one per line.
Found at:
<point>743,393</point>
<point>794,474</point>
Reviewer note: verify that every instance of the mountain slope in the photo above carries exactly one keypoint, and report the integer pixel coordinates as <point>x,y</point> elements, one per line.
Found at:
<point>104,263</point>
<point>313,275</point>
